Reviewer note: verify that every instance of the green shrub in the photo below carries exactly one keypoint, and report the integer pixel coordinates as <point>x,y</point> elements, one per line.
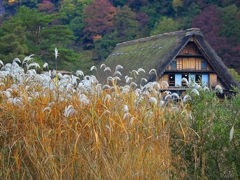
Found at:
<point>208,152</point>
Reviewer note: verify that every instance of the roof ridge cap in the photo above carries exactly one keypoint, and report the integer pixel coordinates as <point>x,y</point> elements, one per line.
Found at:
<point>149,38</point>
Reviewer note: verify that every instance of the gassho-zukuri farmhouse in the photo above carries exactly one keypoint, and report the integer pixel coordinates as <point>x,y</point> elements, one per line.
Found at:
<point>174,56</point>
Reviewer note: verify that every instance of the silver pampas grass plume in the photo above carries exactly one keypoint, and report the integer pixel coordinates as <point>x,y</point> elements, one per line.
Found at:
<point>231,133</point>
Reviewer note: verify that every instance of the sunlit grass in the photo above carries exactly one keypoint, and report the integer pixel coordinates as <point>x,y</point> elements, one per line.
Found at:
<point>95,141</point>
<point>91,131</point>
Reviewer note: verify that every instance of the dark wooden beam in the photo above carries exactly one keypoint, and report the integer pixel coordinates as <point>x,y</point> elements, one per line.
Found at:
<point>190,55</point>
<point>189,71</point>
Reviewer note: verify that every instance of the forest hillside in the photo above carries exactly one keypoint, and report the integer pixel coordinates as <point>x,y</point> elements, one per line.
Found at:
<point>86,31</point>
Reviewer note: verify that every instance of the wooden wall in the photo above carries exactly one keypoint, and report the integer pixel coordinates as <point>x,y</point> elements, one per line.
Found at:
<point>192,61</point>
<point>189,63</point>
<point>213,79</point>
<point>163,78</point>
<point>190,48</point>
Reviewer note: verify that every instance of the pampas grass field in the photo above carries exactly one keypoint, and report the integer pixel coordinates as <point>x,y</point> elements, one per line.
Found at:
<point>55,126</point>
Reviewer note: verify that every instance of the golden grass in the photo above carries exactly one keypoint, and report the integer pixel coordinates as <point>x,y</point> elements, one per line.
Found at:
<point>93,142</point>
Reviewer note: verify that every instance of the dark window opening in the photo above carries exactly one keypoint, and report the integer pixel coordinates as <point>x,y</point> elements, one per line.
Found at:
<point>171,79</point>
<point>198,78</point>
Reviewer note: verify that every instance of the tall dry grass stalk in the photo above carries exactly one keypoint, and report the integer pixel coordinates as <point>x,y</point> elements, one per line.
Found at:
<point>42,139</point>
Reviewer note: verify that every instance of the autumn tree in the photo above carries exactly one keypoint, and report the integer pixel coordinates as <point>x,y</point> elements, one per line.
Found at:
<point>46,6</point>
<point>99,19</point>
<point>125,27</point>
<point>209,22</point>
<point>230,17</point>
<point>13,4</point>
<point>143,20</point>
<point>235,58</point>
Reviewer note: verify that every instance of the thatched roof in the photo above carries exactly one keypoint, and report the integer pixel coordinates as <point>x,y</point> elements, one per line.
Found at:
<point>158,51</point>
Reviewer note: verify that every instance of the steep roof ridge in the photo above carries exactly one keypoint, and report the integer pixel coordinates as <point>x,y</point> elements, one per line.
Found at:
<point>194,31</point>
<point>218,64</point>
<point>150,38</point>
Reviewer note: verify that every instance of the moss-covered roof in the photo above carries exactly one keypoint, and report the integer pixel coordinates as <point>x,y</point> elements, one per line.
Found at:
<point>157,52</point>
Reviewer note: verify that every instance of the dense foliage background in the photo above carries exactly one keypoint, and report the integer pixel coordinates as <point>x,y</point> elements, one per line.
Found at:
<point>86,31</point>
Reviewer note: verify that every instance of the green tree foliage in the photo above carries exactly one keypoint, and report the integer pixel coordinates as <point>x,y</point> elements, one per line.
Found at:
<point>225,3</point>
<point>12,40</point>
<point>67,59</point>
<point>235,74</point>
<point>119,2</point>
<point>70,9</point>
<point>155,10</point>
<point>230,22</point>
<point>213,151</point>
<point>41,35</point>
<point>189,13</point>
<point>104,46</point>
<point>14,4</point>
<point>125,24</point>
<point>96,23</point>
<point>165,25</point>
<point>72,13</point>
<point>152,14</point>
<point>177,4</point>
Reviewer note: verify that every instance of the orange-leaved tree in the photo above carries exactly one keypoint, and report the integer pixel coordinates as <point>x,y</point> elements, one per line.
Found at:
<point>99,19</point>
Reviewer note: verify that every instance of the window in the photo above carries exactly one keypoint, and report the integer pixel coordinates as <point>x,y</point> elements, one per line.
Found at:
<point>204,65</point>
<point>205,79</point>
<point>192,79</point>
<point>174,65</point>
<point>178,80</point>
<point>175,79</point>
